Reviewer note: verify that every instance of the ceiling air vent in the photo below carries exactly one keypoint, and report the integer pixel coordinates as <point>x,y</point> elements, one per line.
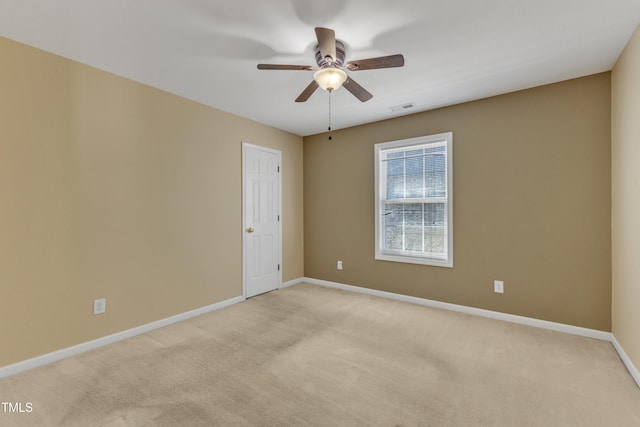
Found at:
<point>403,107</point>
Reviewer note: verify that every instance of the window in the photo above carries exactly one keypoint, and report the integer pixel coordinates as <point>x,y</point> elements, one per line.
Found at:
<point>414,209</point>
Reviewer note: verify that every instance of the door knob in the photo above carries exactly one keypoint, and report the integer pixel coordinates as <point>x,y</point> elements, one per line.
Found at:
<point>250,230</point>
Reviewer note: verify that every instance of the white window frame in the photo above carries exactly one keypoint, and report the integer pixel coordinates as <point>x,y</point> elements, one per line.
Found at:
<point>380,190</point>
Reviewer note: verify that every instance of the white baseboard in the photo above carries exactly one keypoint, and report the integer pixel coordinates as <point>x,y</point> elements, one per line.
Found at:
<point>544,324</point>
<point>55,356</point>
<point>626,360</point>
<point>292,282</point>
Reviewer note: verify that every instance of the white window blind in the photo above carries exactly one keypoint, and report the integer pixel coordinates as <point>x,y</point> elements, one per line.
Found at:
<point>413,200</point>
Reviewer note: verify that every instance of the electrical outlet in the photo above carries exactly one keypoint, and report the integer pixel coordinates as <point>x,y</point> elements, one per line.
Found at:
<point>339,265</point>
<point>498,286</point>
<point>99,306</point>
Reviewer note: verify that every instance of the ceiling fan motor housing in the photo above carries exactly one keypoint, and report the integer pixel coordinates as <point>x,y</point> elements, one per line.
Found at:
<point>339,60</point>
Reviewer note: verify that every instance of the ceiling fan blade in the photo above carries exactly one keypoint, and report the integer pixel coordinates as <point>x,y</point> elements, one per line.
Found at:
<point>390,61</point>
<point>307,92</point>
<point>284,67</point>
<point>356,90</point>
<point>327,42</point>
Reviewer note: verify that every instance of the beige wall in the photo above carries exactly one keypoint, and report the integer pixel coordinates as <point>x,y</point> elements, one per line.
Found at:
<point>625,164</point>
<point>531,204</point>
<point>112,189</point>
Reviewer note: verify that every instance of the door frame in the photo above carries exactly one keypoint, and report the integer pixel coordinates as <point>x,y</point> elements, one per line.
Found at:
<point>245,148</point>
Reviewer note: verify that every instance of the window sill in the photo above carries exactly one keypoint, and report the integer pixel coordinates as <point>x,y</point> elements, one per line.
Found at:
<point>448,263</point>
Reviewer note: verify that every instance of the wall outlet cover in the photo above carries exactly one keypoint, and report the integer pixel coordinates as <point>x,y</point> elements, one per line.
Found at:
<point>99,306</point>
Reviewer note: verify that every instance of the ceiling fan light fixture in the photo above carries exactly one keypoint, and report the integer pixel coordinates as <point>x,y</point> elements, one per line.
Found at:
<point>330,78</point>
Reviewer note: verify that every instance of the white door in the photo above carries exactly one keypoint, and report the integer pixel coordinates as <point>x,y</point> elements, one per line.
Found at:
<point>261,222</point>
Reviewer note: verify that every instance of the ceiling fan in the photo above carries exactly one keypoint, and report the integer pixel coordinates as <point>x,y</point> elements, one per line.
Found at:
<point>331,72</point>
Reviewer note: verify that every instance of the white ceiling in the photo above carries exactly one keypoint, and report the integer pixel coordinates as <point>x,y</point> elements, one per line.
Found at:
<point>207,50</point>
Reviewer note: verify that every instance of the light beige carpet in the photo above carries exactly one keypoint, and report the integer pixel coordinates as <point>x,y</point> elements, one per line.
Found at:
<point>313,356</point>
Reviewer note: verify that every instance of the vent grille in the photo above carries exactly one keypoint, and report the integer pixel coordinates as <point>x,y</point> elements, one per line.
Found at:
<point>403,107</point>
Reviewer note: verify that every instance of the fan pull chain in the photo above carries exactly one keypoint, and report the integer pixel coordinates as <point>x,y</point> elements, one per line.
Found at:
<point>329,129</point>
